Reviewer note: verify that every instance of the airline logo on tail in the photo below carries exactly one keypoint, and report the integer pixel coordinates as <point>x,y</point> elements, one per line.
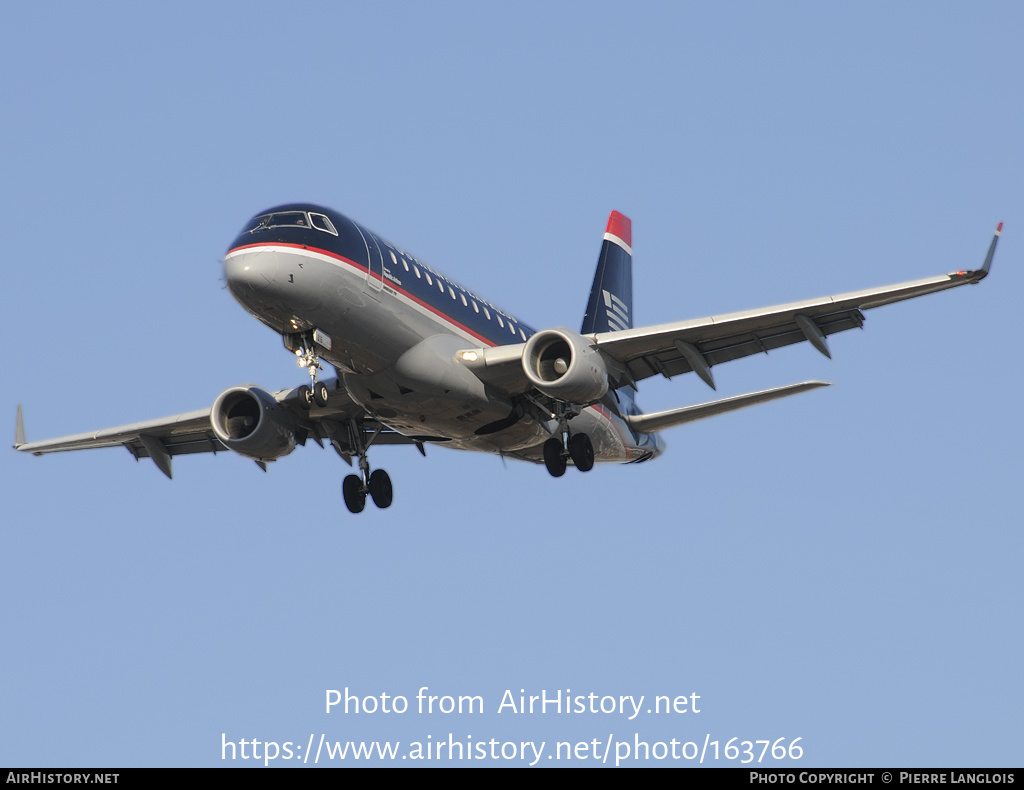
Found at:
<point>613,280</point>
<point>616,311</point>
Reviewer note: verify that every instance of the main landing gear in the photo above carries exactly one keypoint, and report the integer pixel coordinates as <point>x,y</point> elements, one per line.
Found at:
<point>378,486</point>
<point>354,488</point>
<point>564,444</point>
<point>580,449</point>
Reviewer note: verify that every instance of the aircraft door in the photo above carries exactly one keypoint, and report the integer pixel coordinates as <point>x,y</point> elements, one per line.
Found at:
<point>375,275</point>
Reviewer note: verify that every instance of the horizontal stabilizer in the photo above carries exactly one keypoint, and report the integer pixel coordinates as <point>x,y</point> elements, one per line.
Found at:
<point>659,421</point>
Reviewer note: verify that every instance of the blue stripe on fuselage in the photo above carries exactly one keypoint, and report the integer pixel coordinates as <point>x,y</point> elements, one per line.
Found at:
<point>399,272</point>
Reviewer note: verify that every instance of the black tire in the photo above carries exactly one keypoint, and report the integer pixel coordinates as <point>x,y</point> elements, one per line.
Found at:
<point>581,450</point>
<point>352,490</point>
<point>553,458</point>
<point>305,397</point>
<point>320,394</point>
<point>380,488</point>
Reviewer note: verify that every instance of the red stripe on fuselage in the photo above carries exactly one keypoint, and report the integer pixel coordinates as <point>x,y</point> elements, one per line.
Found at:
<point>627,441</point>
<point>383,281</point>
<point>618,425</point>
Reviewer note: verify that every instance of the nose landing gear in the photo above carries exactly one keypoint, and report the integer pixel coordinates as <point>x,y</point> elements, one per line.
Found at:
<point>305,348</point>
<point>316,394</point>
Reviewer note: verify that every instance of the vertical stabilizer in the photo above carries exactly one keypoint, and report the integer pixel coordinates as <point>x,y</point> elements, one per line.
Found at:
<point>611,297</point>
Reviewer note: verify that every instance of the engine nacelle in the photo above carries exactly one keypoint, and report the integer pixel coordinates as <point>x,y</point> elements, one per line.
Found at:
<point>563,365</point>
<point>250,422</point>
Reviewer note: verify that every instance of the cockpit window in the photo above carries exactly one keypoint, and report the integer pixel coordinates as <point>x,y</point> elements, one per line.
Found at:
<point>287,219</point>
<point>321,222</point>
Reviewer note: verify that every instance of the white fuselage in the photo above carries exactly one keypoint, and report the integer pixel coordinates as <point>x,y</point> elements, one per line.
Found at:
<point>395,327</point>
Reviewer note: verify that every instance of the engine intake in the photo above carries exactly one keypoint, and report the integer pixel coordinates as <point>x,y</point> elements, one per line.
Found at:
<point>562,364</point>
<point>249,421</point>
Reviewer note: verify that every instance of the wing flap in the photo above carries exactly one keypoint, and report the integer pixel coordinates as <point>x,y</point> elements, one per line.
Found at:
<point>191,432</point>
<point>696,345</point>
<point>182,428</point>
<point>669,361</point>
<point>663,349</point>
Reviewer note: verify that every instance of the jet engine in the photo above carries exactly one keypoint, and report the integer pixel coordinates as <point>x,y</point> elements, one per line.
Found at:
<point>249,421</point>
<point>563,365</point>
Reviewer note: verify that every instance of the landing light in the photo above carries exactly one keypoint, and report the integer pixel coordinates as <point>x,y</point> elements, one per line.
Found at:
<point>469,356</point>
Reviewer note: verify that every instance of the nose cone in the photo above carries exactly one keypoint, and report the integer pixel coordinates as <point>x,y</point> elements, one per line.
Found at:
<point>251,274</point>
<point>254,278</point>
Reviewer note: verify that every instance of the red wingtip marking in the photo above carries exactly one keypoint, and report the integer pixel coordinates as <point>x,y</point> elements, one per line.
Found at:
<point>999,228</point>
<point>619,225</point>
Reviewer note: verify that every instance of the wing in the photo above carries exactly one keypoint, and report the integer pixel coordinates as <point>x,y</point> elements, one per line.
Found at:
<point>697,345</point>
<point>671,349</point>
<point>342,422</point>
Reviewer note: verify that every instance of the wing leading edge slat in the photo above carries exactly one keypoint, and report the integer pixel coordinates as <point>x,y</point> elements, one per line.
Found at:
<point>697,345</point>
<point>191,432</point>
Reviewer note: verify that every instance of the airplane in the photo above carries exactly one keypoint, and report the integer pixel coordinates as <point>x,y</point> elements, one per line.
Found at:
<point>419,360</point>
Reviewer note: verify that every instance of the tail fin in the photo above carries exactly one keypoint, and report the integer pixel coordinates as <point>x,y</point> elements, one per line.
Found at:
<point>611,297</point>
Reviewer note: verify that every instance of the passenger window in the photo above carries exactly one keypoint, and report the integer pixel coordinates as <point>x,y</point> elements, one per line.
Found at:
<point>429,281</point>
<point>463,298</point>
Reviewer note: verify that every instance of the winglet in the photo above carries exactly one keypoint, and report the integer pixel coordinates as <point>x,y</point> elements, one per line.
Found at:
<point>19,430</point>
<point>991,249</point>
<point>991,253</point>
<point>980,274</point>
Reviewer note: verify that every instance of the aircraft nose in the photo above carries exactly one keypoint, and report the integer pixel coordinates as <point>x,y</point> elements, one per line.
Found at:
<point>251,273</point>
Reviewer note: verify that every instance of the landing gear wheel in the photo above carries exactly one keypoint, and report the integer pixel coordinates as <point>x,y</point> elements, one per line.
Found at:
<point>380,488</point>
<point>320,394</point>
<point>305,397</point>
<point>553,458</point>
<point>355,496</point>
<point>581,450</point>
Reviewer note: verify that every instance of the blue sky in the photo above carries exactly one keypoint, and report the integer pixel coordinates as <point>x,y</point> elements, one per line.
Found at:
<point>841,566</point>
